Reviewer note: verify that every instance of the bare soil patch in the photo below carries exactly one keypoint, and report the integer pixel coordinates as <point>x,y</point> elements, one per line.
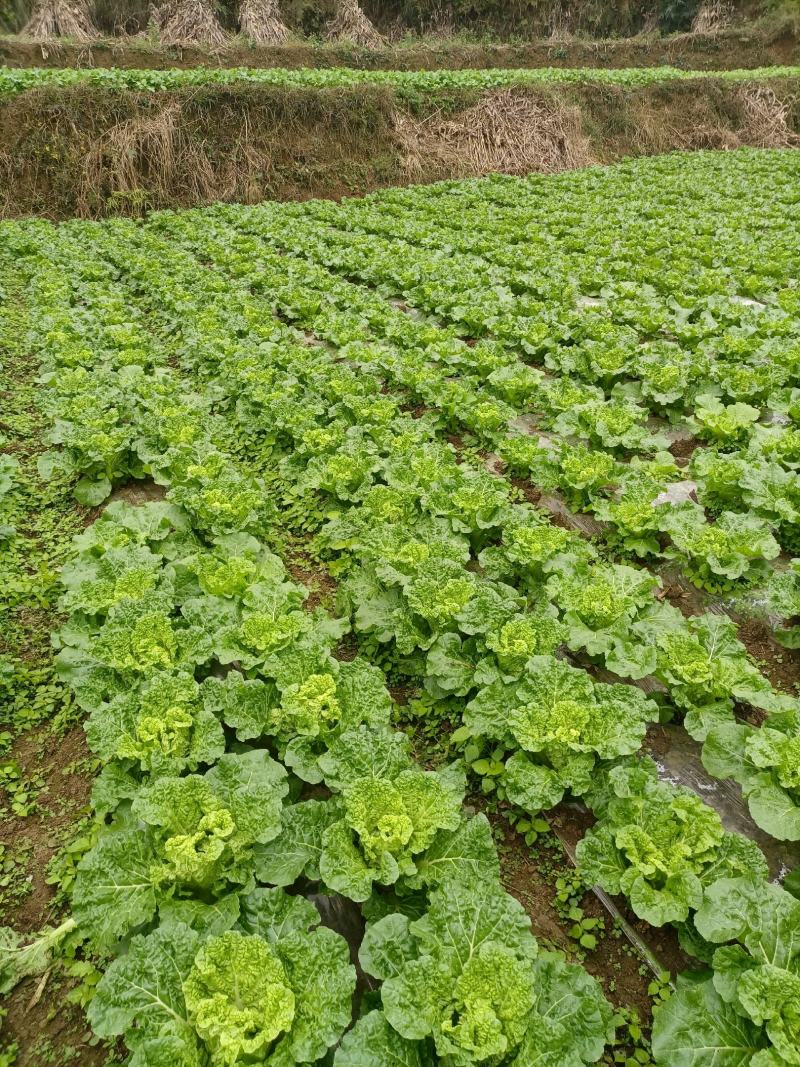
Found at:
<point>59,766</point>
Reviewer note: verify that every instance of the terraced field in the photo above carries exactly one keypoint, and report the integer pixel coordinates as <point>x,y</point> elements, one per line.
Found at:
<point>413,534</point>
<point>411,83</point>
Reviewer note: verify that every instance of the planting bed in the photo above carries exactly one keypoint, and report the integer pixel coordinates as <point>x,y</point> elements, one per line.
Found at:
<point>426,544</point>
<point>409,85</point>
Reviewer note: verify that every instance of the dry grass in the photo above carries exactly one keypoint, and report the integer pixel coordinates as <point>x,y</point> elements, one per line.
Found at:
<point>713,16</point>
<point>187,22</point>
<point>506,132</point>
<point>767,118</point>
<point>349,23</point>
<point>93,153</point>
<point>753,115</point>
<point>440,23</point>
<point>161,14</point>
<point>261,21</point>
<point>650,21</point>
<point>560,22</point>
<point>146,152</point>
<point>60,18</point>
<point>654,129</point>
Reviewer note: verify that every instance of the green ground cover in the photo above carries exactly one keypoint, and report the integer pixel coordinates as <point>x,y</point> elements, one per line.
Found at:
<point>406,83</point>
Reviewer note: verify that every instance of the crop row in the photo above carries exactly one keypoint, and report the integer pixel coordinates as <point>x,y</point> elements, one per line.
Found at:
<point>410,84</point>
<point>589,438</point>
<point>243,758</point>
<point>374,547</point>
<point>620,346</point>
<point>445,577</point>
<point>627,635</point>
<point>607,610</point>
<point>255,372</point>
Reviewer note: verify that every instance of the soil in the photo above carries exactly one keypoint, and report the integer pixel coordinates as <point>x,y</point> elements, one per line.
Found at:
<point>137,493</point>
<point>457,443</point>
<point>687,598</point>
<point>683,448</point>
<point>531,494</point>
<point>40,1019</point>
<point>529,874</point>
<point>347,649</point>
<point>50,1029</point>
<point>571,822</point>
<point>305,571</point>
<point>401,694</point>
<point>781,665</point>
<point>60,764</point>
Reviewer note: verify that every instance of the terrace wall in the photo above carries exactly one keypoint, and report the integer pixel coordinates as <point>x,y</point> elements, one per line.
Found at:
<point>95,152</point>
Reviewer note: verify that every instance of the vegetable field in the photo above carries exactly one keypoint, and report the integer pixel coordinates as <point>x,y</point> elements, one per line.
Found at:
<point>373,534</point>
<point>409,83</point>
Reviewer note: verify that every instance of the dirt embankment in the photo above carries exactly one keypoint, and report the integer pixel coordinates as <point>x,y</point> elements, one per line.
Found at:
<point>731,49</point>
<point>94,152</point>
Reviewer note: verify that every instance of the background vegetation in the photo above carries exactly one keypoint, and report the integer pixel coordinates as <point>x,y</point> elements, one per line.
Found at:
<point>506,18</point>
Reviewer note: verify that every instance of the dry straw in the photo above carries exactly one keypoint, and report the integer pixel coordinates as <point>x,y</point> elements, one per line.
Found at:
<point>349,23</point>
<point>188,22</point>
<point>60,18</point>
<point>261,21</point>
<point>767,118</point>
<point>712,16</point>
<point>506,132</point>
<point>149,152</point>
